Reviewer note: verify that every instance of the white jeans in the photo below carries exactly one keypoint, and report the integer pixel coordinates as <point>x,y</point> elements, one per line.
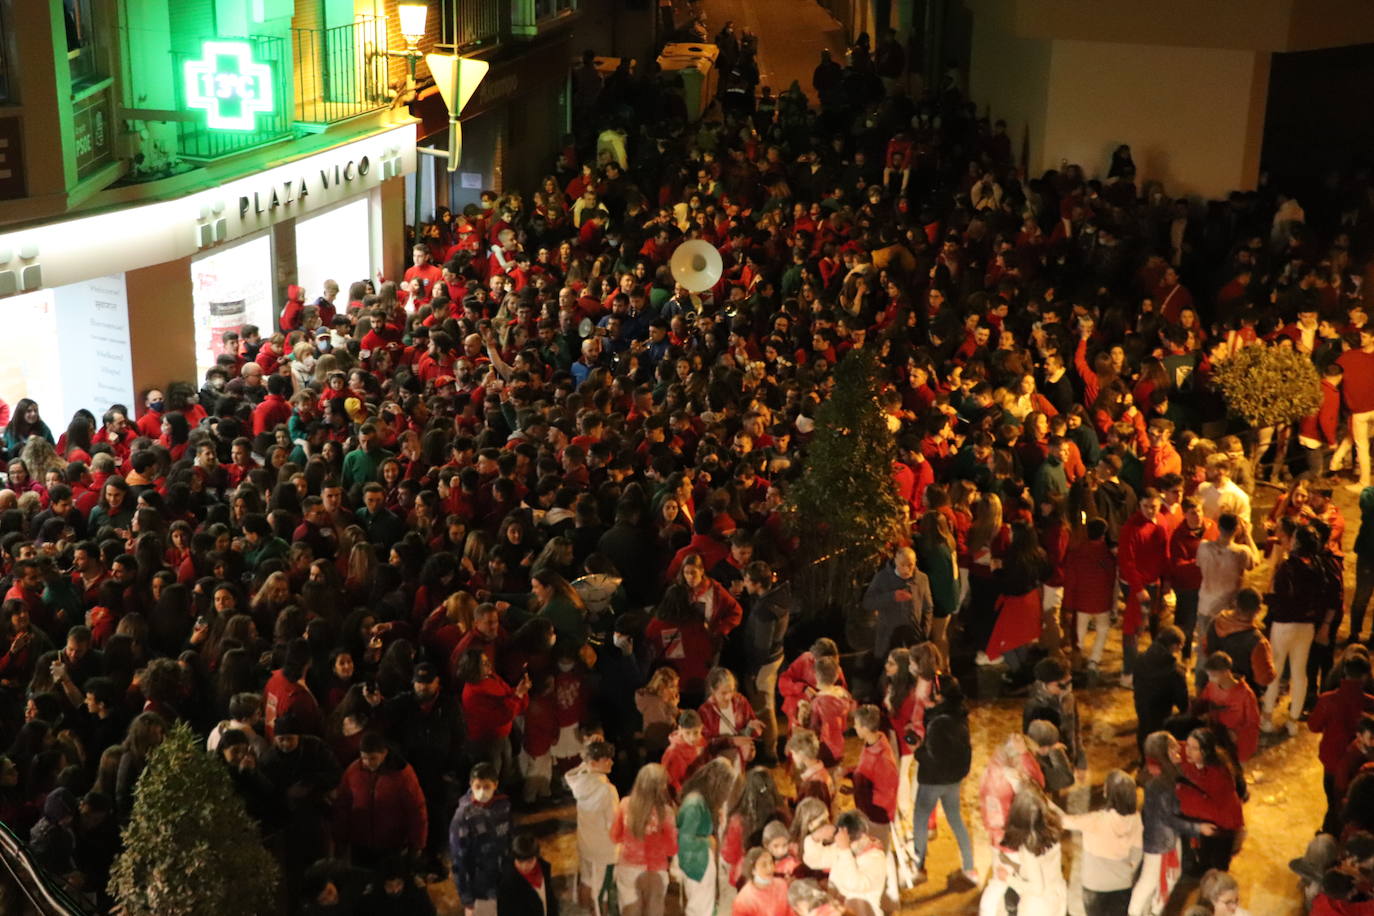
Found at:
<point>1360,431</point>
<point>1103,624</point>
<point>1291,642</point>
<point>1146,900</point>
<point>701,895</point>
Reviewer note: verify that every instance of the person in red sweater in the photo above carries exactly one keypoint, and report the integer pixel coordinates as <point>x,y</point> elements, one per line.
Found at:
<point>1142,559</point>
<point>686,750</point>
<point>798,682</point>
<point>490,706</point>
<point>828,712</point>
<point>1336,717</point>
<point>812,779</point>
<point>765,894</point>
<point>379,810</point>
<point>1161,458</point>
<point>536,751</point>
<point>150,424</point>
<point>286,692</point>
<point>1230,705</point>
<point>646,833</point>
<point>875,778</point>
<point>1319,432</point>
<point>1090,589</point>
<point>1207,791</point>
<point>274,408</point>
<point>1184,574</point>
<point>727,719</point>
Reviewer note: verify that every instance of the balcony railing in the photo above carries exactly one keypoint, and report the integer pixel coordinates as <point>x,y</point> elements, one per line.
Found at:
<point>26,887</point>
<point>340,72</point>
<point>196,141</point>
<point>473,24</point>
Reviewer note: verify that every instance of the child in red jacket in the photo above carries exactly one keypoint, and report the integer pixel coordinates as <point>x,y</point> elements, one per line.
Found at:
<point>812,778</point>
<point>727,719</point>
<point>875,778</point>
<point>827,713</point>
<point>686,750</point>
<point>1230,705</point>
<point>798,682</point>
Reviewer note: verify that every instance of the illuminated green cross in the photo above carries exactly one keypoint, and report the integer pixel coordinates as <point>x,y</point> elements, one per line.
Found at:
<point>228,85</point>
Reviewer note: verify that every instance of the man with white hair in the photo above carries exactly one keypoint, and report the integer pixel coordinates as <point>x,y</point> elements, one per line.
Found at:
<point>900,600</point>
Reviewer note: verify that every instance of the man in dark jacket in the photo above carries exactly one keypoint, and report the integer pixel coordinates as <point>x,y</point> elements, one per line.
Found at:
<point>425,724</point>
<point>898,599</point>
<point>1051,698</point>
<point>1159,688</point>
<point>764,629</point>
<point>527,883</point>
<point>382,526</point>
<point>1237,632</point>
<point>944,759</point>
<point>303,771</point>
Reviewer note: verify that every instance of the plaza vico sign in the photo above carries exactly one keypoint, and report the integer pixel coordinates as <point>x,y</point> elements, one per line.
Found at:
<point>293,191</point>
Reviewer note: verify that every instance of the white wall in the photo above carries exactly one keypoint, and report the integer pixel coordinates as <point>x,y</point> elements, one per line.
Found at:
<point>1193,117</point>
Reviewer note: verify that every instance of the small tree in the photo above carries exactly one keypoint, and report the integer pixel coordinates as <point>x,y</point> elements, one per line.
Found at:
<point>1269,386</point>
<point>845,510</point>
<point>190,848</point>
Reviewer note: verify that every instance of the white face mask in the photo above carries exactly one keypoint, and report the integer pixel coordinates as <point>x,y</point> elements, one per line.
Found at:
<point>763,882</point>
<point>481,796</point>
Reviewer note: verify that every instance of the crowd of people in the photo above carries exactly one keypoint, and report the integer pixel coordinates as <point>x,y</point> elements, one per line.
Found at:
<point>511,528</point>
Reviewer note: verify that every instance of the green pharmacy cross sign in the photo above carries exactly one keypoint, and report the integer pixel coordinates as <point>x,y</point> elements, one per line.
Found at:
<point>228,85</point>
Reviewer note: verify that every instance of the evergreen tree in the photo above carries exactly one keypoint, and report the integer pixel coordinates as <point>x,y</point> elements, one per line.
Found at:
<point>845,510</point>
<point>190,846</point>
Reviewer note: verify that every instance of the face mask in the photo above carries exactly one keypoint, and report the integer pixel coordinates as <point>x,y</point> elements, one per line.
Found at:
<point>763,882</point>
<point>481,796</point>
<point>156,406</point>
<point>565,665</point>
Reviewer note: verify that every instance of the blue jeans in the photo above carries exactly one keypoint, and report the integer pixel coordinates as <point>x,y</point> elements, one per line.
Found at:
<point>948,797</point>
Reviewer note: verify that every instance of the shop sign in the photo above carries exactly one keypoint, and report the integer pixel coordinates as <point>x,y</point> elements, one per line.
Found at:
<point>228,85</point>
<point>91,133</point>
<point>297,190</point>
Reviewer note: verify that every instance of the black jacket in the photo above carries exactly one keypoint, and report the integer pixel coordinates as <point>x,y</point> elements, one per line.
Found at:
<point>946,754</point>
<point>515,897</point>
<point>1160,689</point>
<point>766,625</point>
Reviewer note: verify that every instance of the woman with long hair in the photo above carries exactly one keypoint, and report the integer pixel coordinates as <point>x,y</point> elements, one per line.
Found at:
<point>1163,826</point>
<point>646,833</point>
<point>1210,789</point>
<point>988,540</point>
<point>24,422</point>
<point>688,626</point>
<point>1019,603</point>
<point>146,732</point>
<point>708,795</point>
<point>490,706</point>
<point>938,554</point>
<point>1035,855</point>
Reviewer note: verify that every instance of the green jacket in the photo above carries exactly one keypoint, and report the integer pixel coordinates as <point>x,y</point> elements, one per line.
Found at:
<point>694,831</point>
<point>268,549</point>
<point>360,466</point>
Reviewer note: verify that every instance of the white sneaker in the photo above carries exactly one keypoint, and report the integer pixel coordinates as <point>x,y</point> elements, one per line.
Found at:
<point>1294,726</point>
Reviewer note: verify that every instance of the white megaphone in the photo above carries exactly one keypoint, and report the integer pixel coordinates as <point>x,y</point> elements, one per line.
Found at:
<point>696,265</point>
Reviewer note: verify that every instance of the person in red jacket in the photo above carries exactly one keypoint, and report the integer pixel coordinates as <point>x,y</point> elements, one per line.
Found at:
<point>1319,432</point>
<point>875,778</point>
<point>1184,574</point>
<point>1207,792</point>
<point>798,682</point>
<point>1335,717</point>
<point>686,750</point>
<point>490,706</point>
<point>1161,458</point>
<point>274,408</point>
<point>828,711</point>
<point>379,810</point>
<point>1230,705</point>
<point>291,311</point>
<point>286,692</point>
<point>1090,589</point>
<point>764,894</point>
<point>727,719</point>
<point>1142,558</point>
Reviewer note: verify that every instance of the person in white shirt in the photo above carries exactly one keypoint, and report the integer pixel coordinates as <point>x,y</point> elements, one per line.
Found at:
<point>1113,846</point>
<point>597,801</point>
<point>855,859</point>
<point>1220,493</point>
<point>1223,564</point>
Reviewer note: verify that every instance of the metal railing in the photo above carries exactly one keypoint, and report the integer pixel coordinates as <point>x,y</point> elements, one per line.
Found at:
<point>196,141</point>
<point>548,9</point>
<point>468,24</point>
<point>340,72</point>
<point>27,888</point>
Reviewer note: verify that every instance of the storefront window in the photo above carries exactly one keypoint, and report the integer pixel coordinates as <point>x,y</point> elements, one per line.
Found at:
<point>336,245</point>
<point>231,287</point>
<point>81,47</point>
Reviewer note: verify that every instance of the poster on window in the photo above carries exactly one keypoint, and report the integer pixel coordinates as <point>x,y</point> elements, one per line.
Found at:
<point>231,287</point>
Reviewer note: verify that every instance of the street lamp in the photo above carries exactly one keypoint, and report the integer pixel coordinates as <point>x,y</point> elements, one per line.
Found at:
<point>414,18</point>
